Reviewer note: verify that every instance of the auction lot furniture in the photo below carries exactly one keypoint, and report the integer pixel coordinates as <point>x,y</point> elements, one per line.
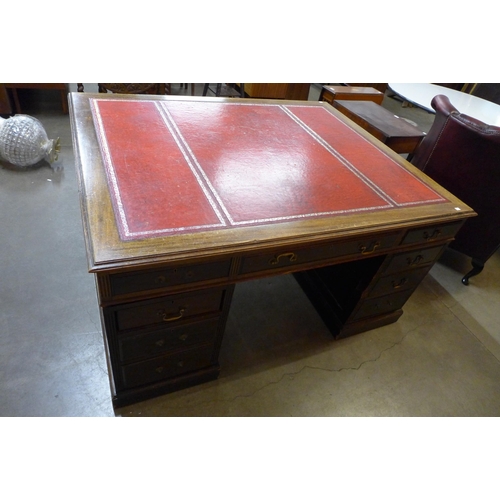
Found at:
<point>463,155</point>
<point>183,198</point>
<point>392,130</point>
<point>331,92</point>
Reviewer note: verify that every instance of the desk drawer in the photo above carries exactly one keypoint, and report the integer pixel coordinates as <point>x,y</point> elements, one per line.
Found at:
<point>153,344</point>
<point>161,368</point>
<point>167,310</point>
<point>295,257</point>
<point>410,260</point>
<point>164,277</point>
<point>382,305</point>
<point>431,233</point>
<point>399,282</point>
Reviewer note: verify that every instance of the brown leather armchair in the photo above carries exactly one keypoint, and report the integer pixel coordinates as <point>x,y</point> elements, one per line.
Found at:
<point>463,155</point>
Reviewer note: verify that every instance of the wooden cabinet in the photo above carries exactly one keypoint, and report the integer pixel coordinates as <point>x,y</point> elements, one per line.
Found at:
<point>291,91</point>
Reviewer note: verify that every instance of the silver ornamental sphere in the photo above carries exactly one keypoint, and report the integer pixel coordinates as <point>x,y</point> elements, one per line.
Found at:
<point>24,142</point>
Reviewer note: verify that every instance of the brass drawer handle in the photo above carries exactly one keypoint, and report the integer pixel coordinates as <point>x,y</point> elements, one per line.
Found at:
<point>366,250</point>
<point>292,257</point>
<point>166,317</point>
<point>415,261</point>
<point>435,234</point>
<point>399,284</point>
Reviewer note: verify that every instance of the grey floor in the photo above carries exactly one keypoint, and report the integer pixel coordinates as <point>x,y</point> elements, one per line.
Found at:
<point>278,359</point>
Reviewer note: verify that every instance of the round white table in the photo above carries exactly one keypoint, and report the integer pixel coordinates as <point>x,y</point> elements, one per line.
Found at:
<point>421,94</point>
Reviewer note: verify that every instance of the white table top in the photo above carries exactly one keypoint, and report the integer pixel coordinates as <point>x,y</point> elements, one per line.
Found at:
<point>421,94</point>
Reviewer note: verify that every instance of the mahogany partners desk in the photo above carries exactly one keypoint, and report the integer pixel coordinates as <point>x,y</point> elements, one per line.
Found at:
<point>183,197</point>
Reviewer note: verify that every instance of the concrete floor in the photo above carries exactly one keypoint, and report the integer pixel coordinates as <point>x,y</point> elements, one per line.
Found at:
<point>442,358</point>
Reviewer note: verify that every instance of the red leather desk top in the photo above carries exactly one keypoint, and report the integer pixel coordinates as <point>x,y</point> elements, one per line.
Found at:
<point>184,166</point>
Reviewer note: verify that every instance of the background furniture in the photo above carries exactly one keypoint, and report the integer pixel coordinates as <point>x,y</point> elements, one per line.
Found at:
<point>487,91</point>
<point>382,87</point>
<point>137,88</point>
<point>463,155</point>
<point>397,133</point>
<point>421,94</point>
<point>358,225</point>
<point>225,90</point>
<point>61,87</point>
<point>5,107</point>
<point>290,91</point>
<point>131,88</point>
<point>341,92</point>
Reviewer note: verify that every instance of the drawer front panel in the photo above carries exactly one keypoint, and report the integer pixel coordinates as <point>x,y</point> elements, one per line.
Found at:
<point>168,310</point>
<point>161,368</point>
<point>296,257</point>
<point>430,234</point>
<point>138,281</point>
<point>399,282</point>
<point>148,345</point>
<point>410,260</point>
<point>382,305</point>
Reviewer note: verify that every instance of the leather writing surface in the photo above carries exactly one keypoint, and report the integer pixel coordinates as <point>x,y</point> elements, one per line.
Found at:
<point>182,166</point>
<point>395,181</point>
<point>151,188</point>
